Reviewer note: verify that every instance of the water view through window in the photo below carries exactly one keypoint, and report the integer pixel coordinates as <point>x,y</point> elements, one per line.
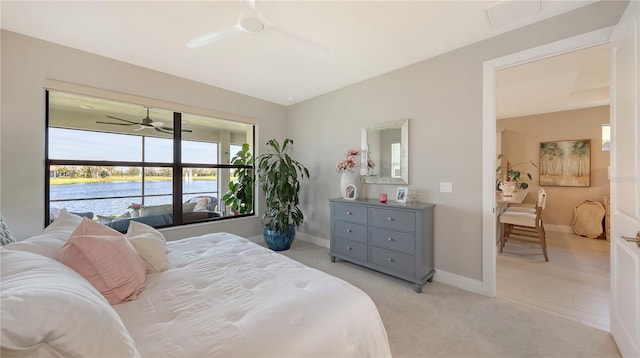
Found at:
<point>115,162</point>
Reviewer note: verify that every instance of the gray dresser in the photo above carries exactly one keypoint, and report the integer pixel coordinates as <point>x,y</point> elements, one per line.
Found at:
<point>393,238</point>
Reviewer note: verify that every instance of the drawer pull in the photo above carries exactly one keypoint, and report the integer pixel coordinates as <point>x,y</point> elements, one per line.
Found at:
<point>390,259</point>
<point>390,239</point>
<point>348,212</point>
<point>348,230</point>
<point>349,248</point>
<point>389,219</point>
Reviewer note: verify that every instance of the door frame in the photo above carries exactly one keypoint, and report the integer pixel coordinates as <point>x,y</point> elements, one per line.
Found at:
<point>489,226</point>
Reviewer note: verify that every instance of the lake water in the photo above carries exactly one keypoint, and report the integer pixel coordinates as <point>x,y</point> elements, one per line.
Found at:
<point>130,190</point>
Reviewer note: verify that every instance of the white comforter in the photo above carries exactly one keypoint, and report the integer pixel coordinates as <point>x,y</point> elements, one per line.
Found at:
<point>225,296</point>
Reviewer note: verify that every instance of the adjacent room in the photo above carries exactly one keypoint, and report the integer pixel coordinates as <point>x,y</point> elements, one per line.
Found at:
<point>315,178</point>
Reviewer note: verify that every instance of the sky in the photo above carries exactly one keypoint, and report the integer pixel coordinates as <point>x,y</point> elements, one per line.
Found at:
<point>84,145</point>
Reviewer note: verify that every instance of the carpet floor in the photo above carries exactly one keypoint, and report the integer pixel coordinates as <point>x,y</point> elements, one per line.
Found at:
<point>445,321</point>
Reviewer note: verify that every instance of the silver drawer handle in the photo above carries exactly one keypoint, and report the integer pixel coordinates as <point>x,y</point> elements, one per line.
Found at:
<point>348,212</point>
<point>390,239</point>
<point>390,259</point>
<point>389,219</point>
<point>349,248</point>
<point>348,230</point>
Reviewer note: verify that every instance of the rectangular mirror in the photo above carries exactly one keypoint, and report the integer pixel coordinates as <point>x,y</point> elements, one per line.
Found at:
<point>386,145</point>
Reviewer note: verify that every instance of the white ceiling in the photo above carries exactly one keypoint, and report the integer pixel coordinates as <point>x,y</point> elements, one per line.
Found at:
<point>336,43</point>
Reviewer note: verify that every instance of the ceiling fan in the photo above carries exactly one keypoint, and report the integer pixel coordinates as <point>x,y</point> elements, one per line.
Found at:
<point>249,21</point>
<point>146,123</point>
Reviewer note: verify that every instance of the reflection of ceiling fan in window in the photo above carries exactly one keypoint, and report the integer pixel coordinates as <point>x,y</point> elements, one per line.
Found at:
<point>147,123</point>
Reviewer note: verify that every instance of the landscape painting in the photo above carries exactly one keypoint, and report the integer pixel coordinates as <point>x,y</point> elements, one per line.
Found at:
<point>565,163</point>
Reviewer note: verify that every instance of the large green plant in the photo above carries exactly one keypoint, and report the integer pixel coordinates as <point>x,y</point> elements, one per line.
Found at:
<point>240,195</point>
<point>514,174</point>
<point>279,176</point>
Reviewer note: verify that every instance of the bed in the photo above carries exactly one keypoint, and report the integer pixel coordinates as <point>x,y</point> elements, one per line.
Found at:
<point>220,296</point>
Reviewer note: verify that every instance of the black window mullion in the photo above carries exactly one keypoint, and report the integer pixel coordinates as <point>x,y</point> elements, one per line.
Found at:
<point>177,168</point>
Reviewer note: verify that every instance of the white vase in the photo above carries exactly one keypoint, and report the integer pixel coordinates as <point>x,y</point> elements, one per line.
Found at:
<point>349,177</point>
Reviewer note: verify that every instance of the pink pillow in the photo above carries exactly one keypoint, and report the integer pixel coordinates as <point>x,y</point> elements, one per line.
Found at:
<point>106,259</point>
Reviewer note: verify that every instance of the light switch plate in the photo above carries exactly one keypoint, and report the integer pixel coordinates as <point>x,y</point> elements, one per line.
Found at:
<point>446,187</point>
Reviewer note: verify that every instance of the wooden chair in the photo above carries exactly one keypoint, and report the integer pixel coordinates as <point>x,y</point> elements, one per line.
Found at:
<point>525,223</point>
<point>524,207</point>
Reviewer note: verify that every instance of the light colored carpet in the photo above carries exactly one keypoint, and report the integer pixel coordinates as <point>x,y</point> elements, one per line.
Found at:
<point>445,321</point>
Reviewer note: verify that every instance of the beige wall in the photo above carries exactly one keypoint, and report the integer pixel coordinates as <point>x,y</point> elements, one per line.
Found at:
<point>443,98</point>
<point>520,143</point>
<point>27,62</point>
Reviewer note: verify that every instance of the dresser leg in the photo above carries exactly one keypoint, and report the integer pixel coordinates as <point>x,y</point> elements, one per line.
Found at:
<point>333,259</point>
<point>418,288</point>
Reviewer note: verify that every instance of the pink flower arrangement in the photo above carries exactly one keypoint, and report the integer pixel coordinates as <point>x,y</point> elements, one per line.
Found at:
<point>350,161</point>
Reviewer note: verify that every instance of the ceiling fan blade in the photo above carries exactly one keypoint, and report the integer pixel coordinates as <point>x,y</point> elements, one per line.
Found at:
<point>116,124</point>
<point>212,37</point>
<point>162,130</point>
<point>187,130</point>
<point>124,120</point>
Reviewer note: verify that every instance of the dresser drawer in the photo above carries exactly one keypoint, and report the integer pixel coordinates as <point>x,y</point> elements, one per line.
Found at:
<point>351,213</point>
<point>351,231</point>
<point>393,260</point>
<point>356,250</point>
<point>393,219</point>
<point>394,240</point>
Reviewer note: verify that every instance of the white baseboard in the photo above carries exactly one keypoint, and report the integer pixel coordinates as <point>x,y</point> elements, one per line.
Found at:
<point>465,283</point>
<point>445,277</point>
<point>312,239</point>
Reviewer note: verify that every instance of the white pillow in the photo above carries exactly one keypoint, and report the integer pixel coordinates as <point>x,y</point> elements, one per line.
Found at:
<point>50,310</point>
<point>150,245</point>
<point>52,238</point>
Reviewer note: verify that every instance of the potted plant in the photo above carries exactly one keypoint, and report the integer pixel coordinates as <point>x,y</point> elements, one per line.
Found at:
<point>513,175</point>
<point>279,176</point>
<point>240,195</point>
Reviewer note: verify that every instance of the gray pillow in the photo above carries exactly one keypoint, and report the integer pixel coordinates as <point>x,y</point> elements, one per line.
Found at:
<point>5,234</point>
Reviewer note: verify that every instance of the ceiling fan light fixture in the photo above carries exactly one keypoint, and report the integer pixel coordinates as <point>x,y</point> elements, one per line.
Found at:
<point>251,24</point>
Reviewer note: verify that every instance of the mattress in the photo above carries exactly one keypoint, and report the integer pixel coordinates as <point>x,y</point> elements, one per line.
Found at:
<point>225,296</point>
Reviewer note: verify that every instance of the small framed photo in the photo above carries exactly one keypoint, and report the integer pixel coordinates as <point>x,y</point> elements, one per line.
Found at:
<point>401,194</point>
<point>350,192</point>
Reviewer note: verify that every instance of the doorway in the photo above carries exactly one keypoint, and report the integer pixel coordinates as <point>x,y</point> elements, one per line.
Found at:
<point>489,135</point>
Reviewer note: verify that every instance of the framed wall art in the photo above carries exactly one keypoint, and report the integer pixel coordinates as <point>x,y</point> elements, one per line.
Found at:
<point>565,163</point>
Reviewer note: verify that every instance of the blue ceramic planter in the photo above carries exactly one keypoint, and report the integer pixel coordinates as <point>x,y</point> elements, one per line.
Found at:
<point>278,241</point>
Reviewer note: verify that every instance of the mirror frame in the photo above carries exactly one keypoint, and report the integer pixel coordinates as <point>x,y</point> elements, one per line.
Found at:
<point>403,125</point>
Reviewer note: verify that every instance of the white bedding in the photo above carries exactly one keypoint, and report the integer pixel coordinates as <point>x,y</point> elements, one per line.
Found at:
<point>225,296</point>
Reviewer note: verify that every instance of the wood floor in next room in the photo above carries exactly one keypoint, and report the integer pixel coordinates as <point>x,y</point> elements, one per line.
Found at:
<point>574,283</point>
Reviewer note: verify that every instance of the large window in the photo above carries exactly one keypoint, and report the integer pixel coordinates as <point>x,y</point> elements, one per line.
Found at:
<point>115,162</point>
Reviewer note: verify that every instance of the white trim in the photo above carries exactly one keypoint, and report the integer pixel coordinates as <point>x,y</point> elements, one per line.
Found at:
<point>489,137</point>
<point>312,239</point>
<point>461,282</point>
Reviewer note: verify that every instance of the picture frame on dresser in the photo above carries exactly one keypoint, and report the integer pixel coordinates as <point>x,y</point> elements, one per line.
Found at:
<point>401,194</point>
<point>350,192</point>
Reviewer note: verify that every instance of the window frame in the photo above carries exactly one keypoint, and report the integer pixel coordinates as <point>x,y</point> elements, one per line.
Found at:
<point>176,164</point>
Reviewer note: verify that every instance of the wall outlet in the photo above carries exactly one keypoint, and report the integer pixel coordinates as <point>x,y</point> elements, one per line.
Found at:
<point>446,187</point>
